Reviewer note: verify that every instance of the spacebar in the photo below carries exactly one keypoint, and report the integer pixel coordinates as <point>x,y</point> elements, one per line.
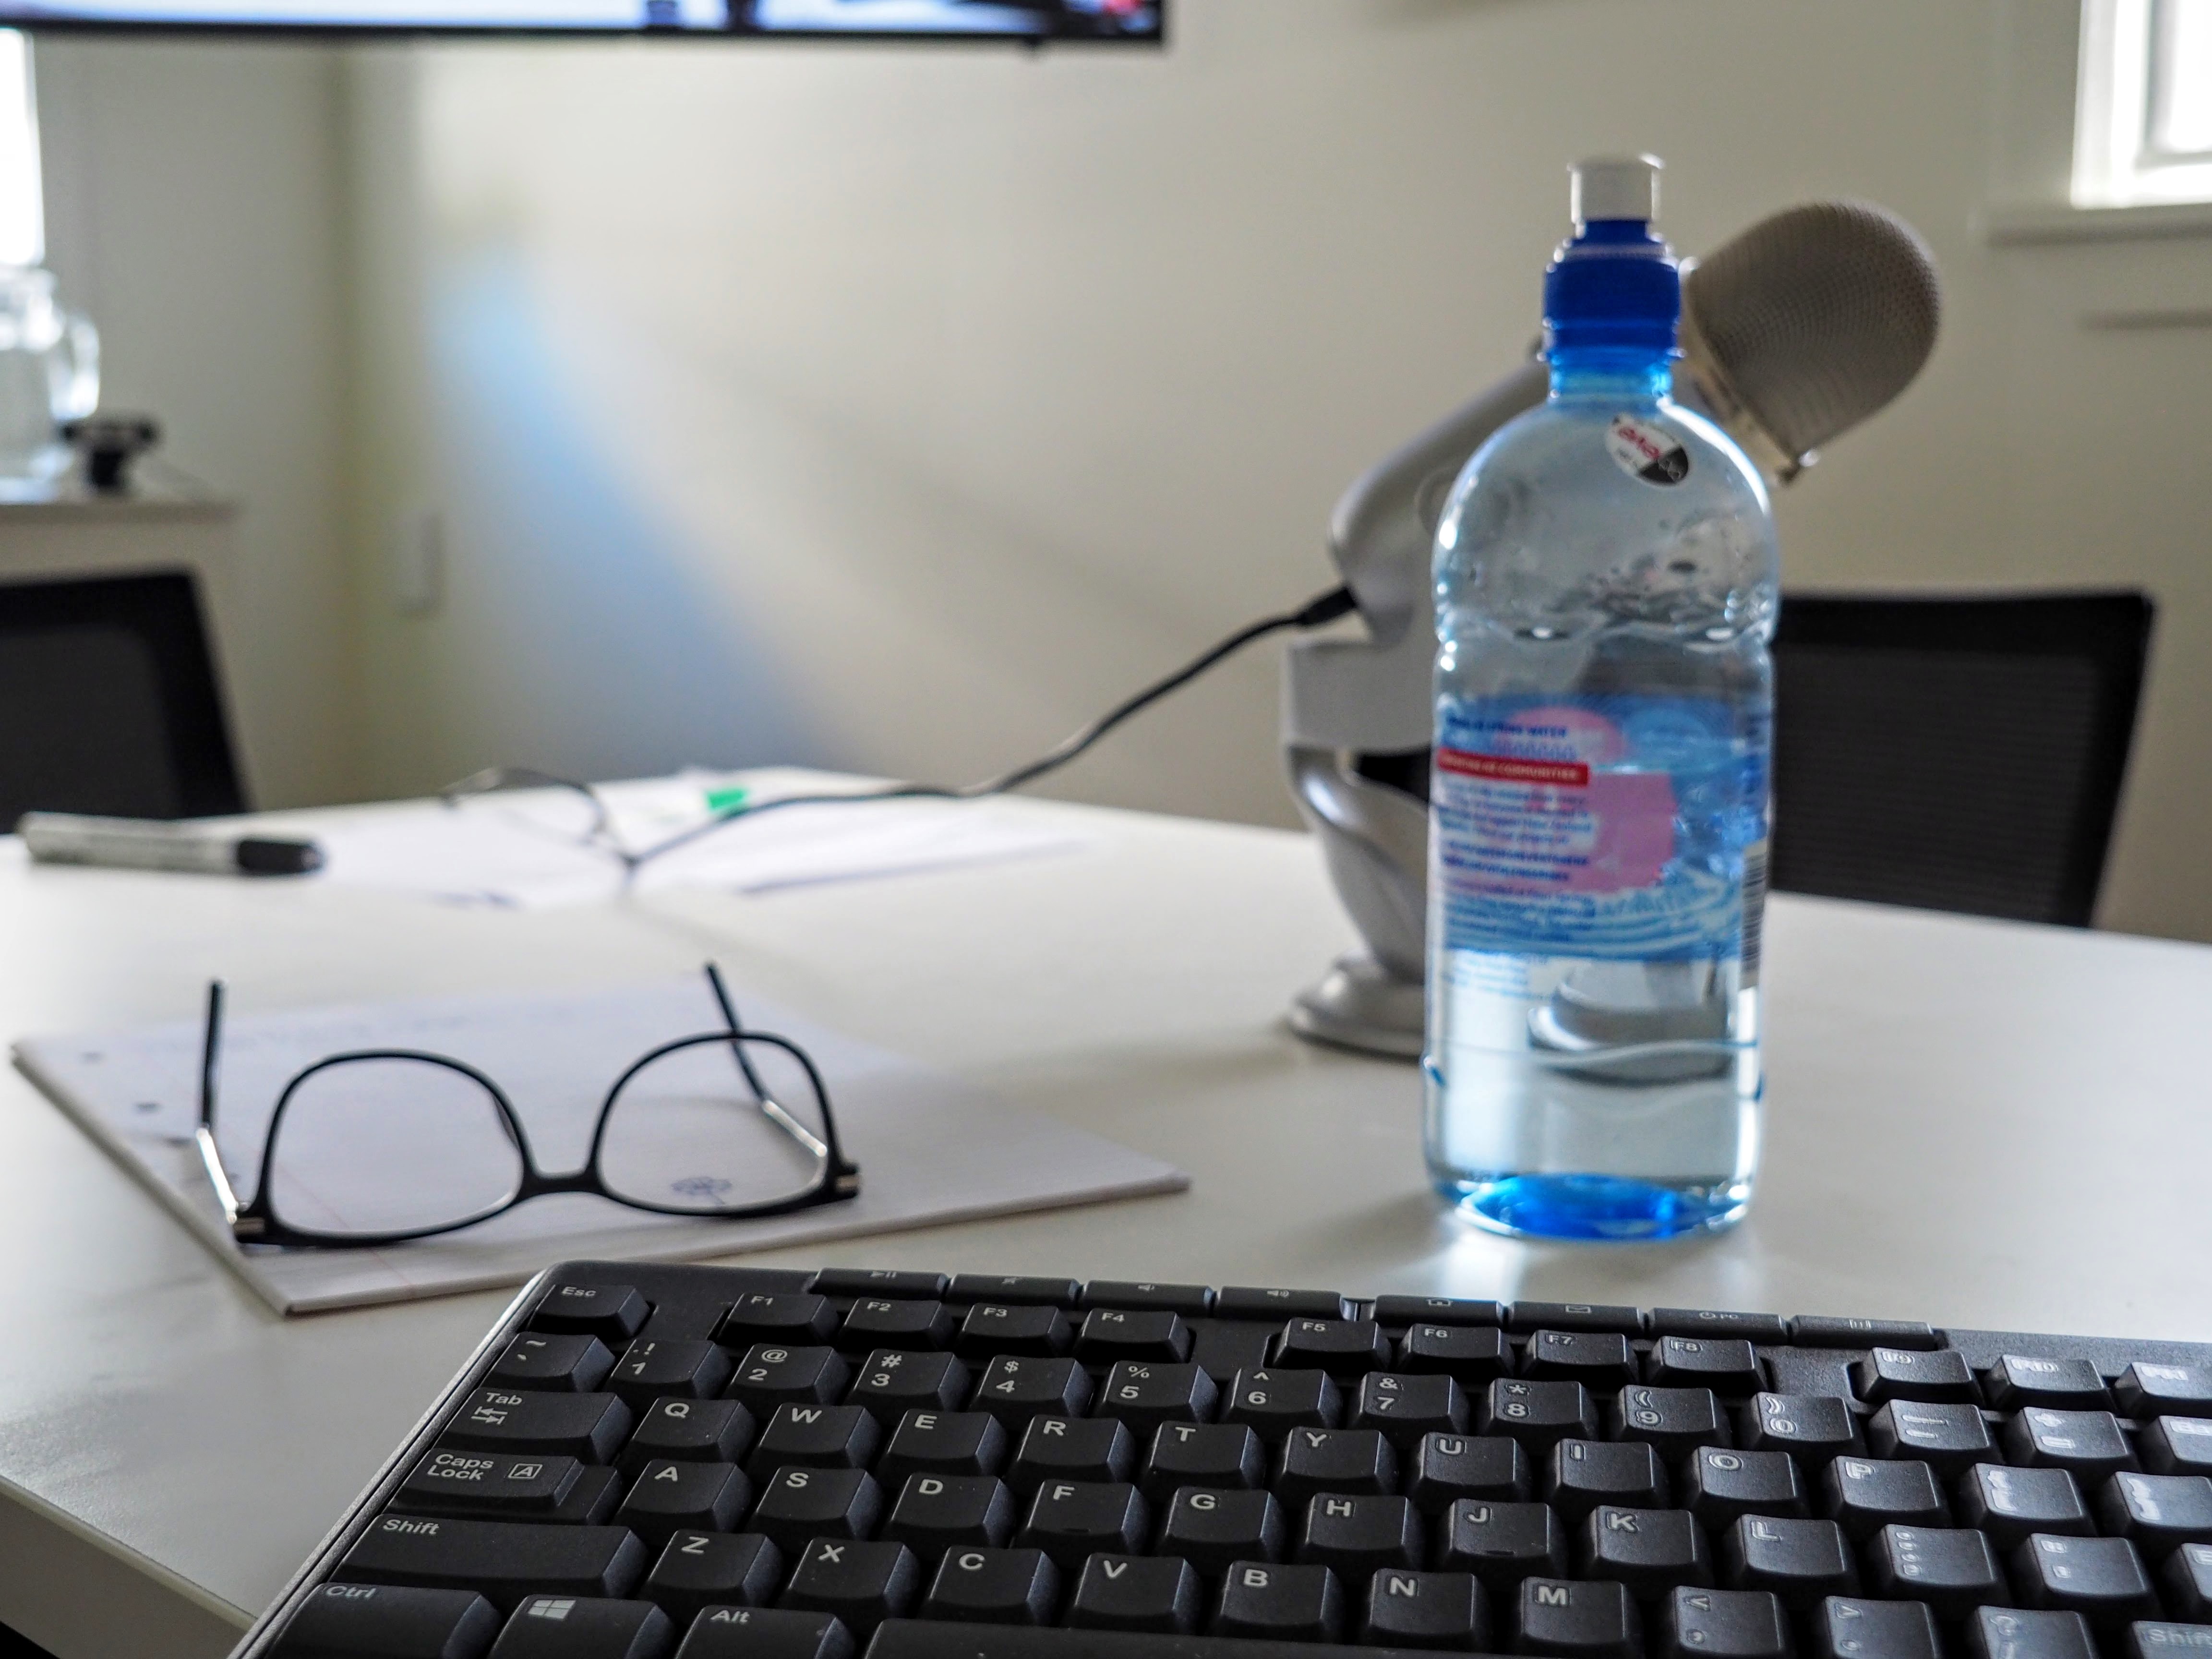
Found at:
<point>935,1638</point>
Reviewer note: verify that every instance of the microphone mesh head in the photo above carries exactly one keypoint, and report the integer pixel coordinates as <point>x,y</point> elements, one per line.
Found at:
<point>1817,317</point>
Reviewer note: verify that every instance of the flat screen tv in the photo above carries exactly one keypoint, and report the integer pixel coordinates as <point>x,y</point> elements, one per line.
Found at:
<point>1029,21</point>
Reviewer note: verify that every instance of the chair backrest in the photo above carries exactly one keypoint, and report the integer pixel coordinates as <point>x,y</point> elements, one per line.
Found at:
<point>108,700</point>
<point>1954,753</point>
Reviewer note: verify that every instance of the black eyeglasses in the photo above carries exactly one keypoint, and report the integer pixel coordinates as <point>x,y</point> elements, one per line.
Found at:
<point>381,1145</point>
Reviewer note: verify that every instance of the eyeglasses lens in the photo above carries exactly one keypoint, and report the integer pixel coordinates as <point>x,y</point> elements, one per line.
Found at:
<point>718,1125</point>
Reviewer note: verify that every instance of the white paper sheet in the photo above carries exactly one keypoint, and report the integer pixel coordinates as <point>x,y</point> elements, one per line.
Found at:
<point>931,1149</point>
<point>527,848</point>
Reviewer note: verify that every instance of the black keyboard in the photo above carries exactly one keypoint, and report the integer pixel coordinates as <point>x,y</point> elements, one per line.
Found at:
<point>646,1460</point>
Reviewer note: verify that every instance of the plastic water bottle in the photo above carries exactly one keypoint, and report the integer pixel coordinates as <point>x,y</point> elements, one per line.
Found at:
<point>1606,585</point>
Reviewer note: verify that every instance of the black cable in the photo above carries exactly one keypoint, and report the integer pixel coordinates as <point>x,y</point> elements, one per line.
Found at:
<point>1323,608</point>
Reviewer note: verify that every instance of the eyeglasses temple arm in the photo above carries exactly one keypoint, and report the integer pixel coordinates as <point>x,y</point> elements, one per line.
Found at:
<point>745,1061</point>
<point>203,1136</point>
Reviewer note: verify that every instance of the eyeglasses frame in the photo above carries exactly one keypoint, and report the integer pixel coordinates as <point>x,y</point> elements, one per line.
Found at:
<point>256,1222</point>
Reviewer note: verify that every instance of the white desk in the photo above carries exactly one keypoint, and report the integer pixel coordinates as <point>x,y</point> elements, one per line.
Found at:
<point>1970,1123</point>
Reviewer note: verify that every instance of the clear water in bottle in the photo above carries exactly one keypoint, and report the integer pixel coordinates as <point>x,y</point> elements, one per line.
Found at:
<point>1606,578</point>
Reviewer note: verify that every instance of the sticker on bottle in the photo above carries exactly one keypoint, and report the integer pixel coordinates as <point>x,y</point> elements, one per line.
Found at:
<point>1644,449</point>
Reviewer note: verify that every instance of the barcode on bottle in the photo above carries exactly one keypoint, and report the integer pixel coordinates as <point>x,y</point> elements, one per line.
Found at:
<point>1754,907</point>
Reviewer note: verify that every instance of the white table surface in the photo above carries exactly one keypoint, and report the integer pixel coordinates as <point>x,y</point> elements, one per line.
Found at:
<point>1970,1123</point>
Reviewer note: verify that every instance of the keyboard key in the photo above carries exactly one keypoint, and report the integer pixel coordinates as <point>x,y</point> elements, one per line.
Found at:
<point>2089,1443</point>
<point>815,1438</point>
<point>701,1570</point>
<point>1446,1467</point>
<point>1135,1297</point>
<point>559,1365</point>
<point>514,1485</point>
<point>1202,1455</point>
<point>880,1281</point>
<point>800,1504</point>
<point>1539,1414</point>
<point>1719,1486</point>
<point>1395,1310</point>
<point>695,1430</point>
<point>1360,1536</point>
<point>1799,1561</point>
<point>572,1627</point>
<point>1445,1610</point>
<point>2002,1633</point>
<point>1531,1317</point>
<point>1144,1395</point>
<point>1581,1474</point>
<point>1951,1439</point>
<point>1847,1628</point>
<point>1770,1329</point>
<point>1502,1544</point>
<point>1862,1496</point>
<point>1072,1449</point>
<point>2103,1579</point>
<point>670,1498</point>
<point>1342,1347</point>
<point>1021,1292</point>
<point>1471,1354</point>
<point>1811,1428</point>
<point>1703,1624</point>
<point>2018,1381</point>
<point>341,1621</point>
<point>504,1561</point>
<point>1111,1334</point>
<point>859,1584</point>
<point>2146,1391</point>
<point>1069,1520</point>
<point>2009,1504</point>
<point>2158,1513</point>
<point>1594,1619</point>
<point>1015,1390</point>
<point>994,1586</point>
<point>1404,1408</point>
<point>1249,1302</point>
<point>2188,1577</point>
<point>771,1375</point>
<point>1820,1331</point>
<point>1674,1422</point>
<point>796,1317</point>
<point>895,1381</point>
<point>588,1427</point>
<point>997,1328</point>
<point>613,1313</point>
<point>1349,1460</point>
<point>1937,1376</point>
<point>942,1443</point>
<point>876,1322</point>
<point>2176,1445</point>
<point>1210,1528</point>
<point>1273,1402</point>
<point>1277,1603</point>
<point>1161,1596</point>
<point>1650,1551</point>
<point>693,1368</point>
<point>1600,1361</point>
<point>1952,1570</point>
<point>2158,1640</point>
<point>934,1513</point>
<point>1728,1367</point>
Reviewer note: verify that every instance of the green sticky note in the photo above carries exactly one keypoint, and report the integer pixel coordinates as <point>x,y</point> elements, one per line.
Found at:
<point>729,799</point>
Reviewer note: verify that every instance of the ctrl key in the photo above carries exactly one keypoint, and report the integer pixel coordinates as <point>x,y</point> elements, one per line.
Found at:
<point>383,1621</point>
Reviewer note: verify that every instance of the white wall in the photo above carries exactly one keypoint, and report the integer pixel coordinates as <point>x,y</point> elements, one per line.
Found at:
<point>192,211</point>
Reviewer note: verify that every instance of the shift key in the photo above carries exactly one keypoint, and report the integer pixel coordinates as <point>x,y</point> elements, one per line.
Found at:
<point>503,1561</point>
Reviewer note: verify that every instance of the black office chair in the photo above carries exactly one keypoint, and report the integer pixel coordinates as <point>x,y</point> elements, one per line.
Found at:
<point>1954,753</point>
<point>108,700</point>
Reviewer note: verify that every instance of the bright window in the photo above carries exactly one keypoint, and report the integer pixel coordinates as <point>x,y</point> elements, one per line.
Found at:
<point>2142,128</point>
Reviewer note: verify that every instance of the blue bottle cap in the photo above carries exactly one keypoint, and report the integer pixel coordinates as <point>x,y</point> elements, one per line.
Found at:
<point>1615,283</point>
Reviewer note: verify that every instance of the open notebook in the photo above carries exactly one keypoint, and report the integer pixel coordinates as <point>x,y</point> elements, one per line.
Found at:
<point>931,1148</point>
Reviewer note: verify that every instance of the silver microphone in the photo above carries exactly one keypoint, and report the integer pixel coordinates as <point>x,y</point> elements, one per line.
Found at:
<point>1792,332</point>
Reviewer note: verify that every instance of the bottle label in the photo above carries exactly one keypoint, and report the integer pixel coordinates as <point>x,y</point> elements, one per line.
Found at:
<point>1597,826</point>
<point>1644,449</point>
